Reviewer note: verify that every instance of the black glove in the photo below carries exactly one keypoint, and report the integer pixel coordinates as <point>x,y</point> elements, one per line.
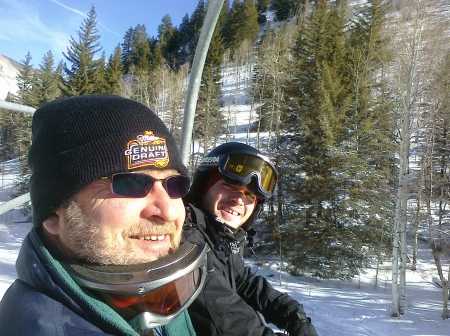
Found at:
<point>301,327</point>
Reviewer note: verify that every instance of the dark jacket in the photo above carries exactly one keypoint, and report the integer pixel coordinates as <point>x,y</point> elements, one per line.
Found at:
<point>45,300</point>
<point>232,293</point>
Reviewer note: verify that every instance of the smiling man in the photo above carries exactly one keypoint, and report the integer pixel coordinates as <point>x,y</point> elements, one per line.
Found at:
<point>226,196</point>
<point>104,255</point>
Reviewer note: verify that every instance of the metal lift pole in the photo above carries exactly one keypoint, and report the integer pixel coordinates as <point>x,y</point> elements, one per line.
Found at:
<point>212,14</point>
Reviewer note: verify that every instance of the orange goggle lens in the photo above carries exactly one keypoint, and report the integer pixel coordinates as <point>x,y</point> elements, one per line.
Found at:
<point>165,300</point>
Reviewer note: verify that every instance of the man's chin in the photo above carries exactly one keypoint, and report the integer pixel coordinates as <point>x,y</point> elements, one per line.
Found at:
<point>231,222</point>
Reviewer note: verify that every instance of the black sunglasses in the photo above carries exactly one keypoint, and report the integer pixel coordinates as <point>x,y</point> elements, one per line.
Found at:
<point>136,185</point>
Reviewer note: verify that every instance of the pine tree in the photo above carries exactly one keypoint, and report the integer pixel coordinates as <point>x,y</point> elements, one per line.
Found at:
<point>138,58</point>
<point>83,76</point>
<point>195,25</point>
<point>100,76</point>
<point>241,24</point>
<point>285,9</point>
<point>185,38</point>
<point>168,41</point>
<point>372,125</point>
<point>114,71</point>
<point>15,140</point>
<point>156,58</point>
<point>333,168</point>
<point>321,97</point>
<point>25,82</point>
<point>262,5</point>
<point>126,46</point>
<point>47,83</point>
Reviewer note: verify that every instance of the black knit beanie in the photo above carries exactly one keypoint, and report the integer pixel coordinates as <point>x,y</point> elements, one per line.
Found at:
<point>78,140</point>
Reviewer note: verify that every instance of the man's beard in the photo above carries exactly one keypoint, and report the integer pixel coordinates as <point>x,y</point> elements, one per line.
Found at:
<point>92,241</point>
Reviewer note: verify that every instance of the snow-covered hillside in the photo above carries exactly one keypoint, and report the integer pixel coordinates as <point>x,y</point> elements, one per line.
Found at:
<point>9,69</point>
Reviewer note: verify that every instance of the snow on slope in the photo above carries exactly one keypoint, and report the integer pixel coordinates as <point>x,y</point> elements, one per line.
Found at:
<point>9,69</point>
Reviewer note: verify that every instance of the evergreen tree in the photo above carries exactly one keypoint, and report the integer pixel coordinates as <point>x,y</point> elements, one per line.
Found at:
<point>195,25</point>
<point>285,9</point>
<point>168,41</point>
<point>320,95</point>
<point>47,83</point>
<point>25,82</point>
<point>23,143</point>
<point>337,135</point>
<point>371,130</point>
<point>262,5</point>
<point>138,58</point>
<point>83,75</point>
<point>184,39</point>
<point>114,71</point>
<point>100,76</point>
<point>8,136</point>
<point>126,46</point>
<point>15,140</point>
<point>157,58</point>
<point>242,24</point>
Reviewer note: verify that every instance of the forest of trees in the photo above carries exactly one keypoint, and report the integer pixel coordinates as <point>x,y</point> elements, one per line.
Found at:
<point>347,95</point>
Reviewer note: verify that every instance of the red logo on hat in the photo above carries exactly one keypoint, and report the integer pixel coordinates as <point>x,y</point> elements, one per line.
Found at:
<point>147,150</point>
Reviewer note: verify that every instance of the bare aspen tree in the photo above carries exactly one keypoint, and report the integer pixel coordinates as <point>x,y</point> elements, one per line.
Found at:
<point>178,87</point>
<point>414,42</point>
<point>270,75</point>
<point>436,171</point>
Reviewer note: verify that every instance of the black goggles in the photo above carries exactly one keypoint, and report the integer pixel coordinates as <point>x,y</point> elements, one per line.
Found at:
<point>243,167</point>
<point>147,295</point>
<point>138,185</point>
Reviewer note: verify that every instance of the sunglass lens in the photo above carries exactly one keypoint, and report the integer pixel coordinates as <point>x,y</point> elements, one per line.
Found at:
<point>132,185</point>
<point>177,186</point>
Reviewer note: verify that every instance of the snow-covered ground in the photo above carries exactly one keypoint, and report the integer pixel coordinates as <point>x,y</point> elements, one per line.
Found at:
<point>337,308</point>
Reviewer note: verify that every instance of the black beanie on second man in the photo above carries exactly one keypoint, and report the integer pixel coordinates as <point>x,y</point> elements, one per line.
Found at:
<point>78,140</point>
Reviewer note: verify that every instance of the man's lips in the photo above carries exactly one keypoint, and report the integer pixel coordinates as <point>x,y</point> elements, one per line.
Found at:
<point>149,237</point>
<point>159,244</point>
<point>230,211</point>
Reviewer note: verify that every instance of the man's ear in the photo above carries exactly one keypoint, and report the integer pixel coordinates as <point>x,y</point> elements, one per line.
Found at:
<point>52,225</point>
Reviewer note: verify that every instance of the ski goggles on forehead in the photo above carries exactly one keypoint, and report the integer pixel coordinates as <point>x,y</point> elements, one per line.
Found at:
<point>147,295</point>
<point>241,168</point>
<point>138,185</point>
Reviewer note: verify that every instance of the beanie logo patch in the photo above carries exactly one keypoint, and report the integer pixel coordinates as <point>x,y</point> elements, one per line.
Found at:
<point>147,150</point>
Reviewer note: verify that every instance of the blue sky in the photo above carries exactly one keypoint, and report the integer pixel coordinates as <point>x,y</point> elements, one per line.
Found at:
<point>37,26</point>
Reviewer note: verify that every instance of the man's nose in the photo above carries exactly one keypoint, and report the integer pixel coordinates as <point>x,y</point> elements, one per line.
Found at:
<point>160,207</point>
<point>238,196</point>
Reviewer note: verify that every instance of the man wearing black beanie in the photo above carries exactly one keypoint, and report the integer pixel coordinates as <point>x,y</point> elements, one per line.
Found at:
<point>104,256</point>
